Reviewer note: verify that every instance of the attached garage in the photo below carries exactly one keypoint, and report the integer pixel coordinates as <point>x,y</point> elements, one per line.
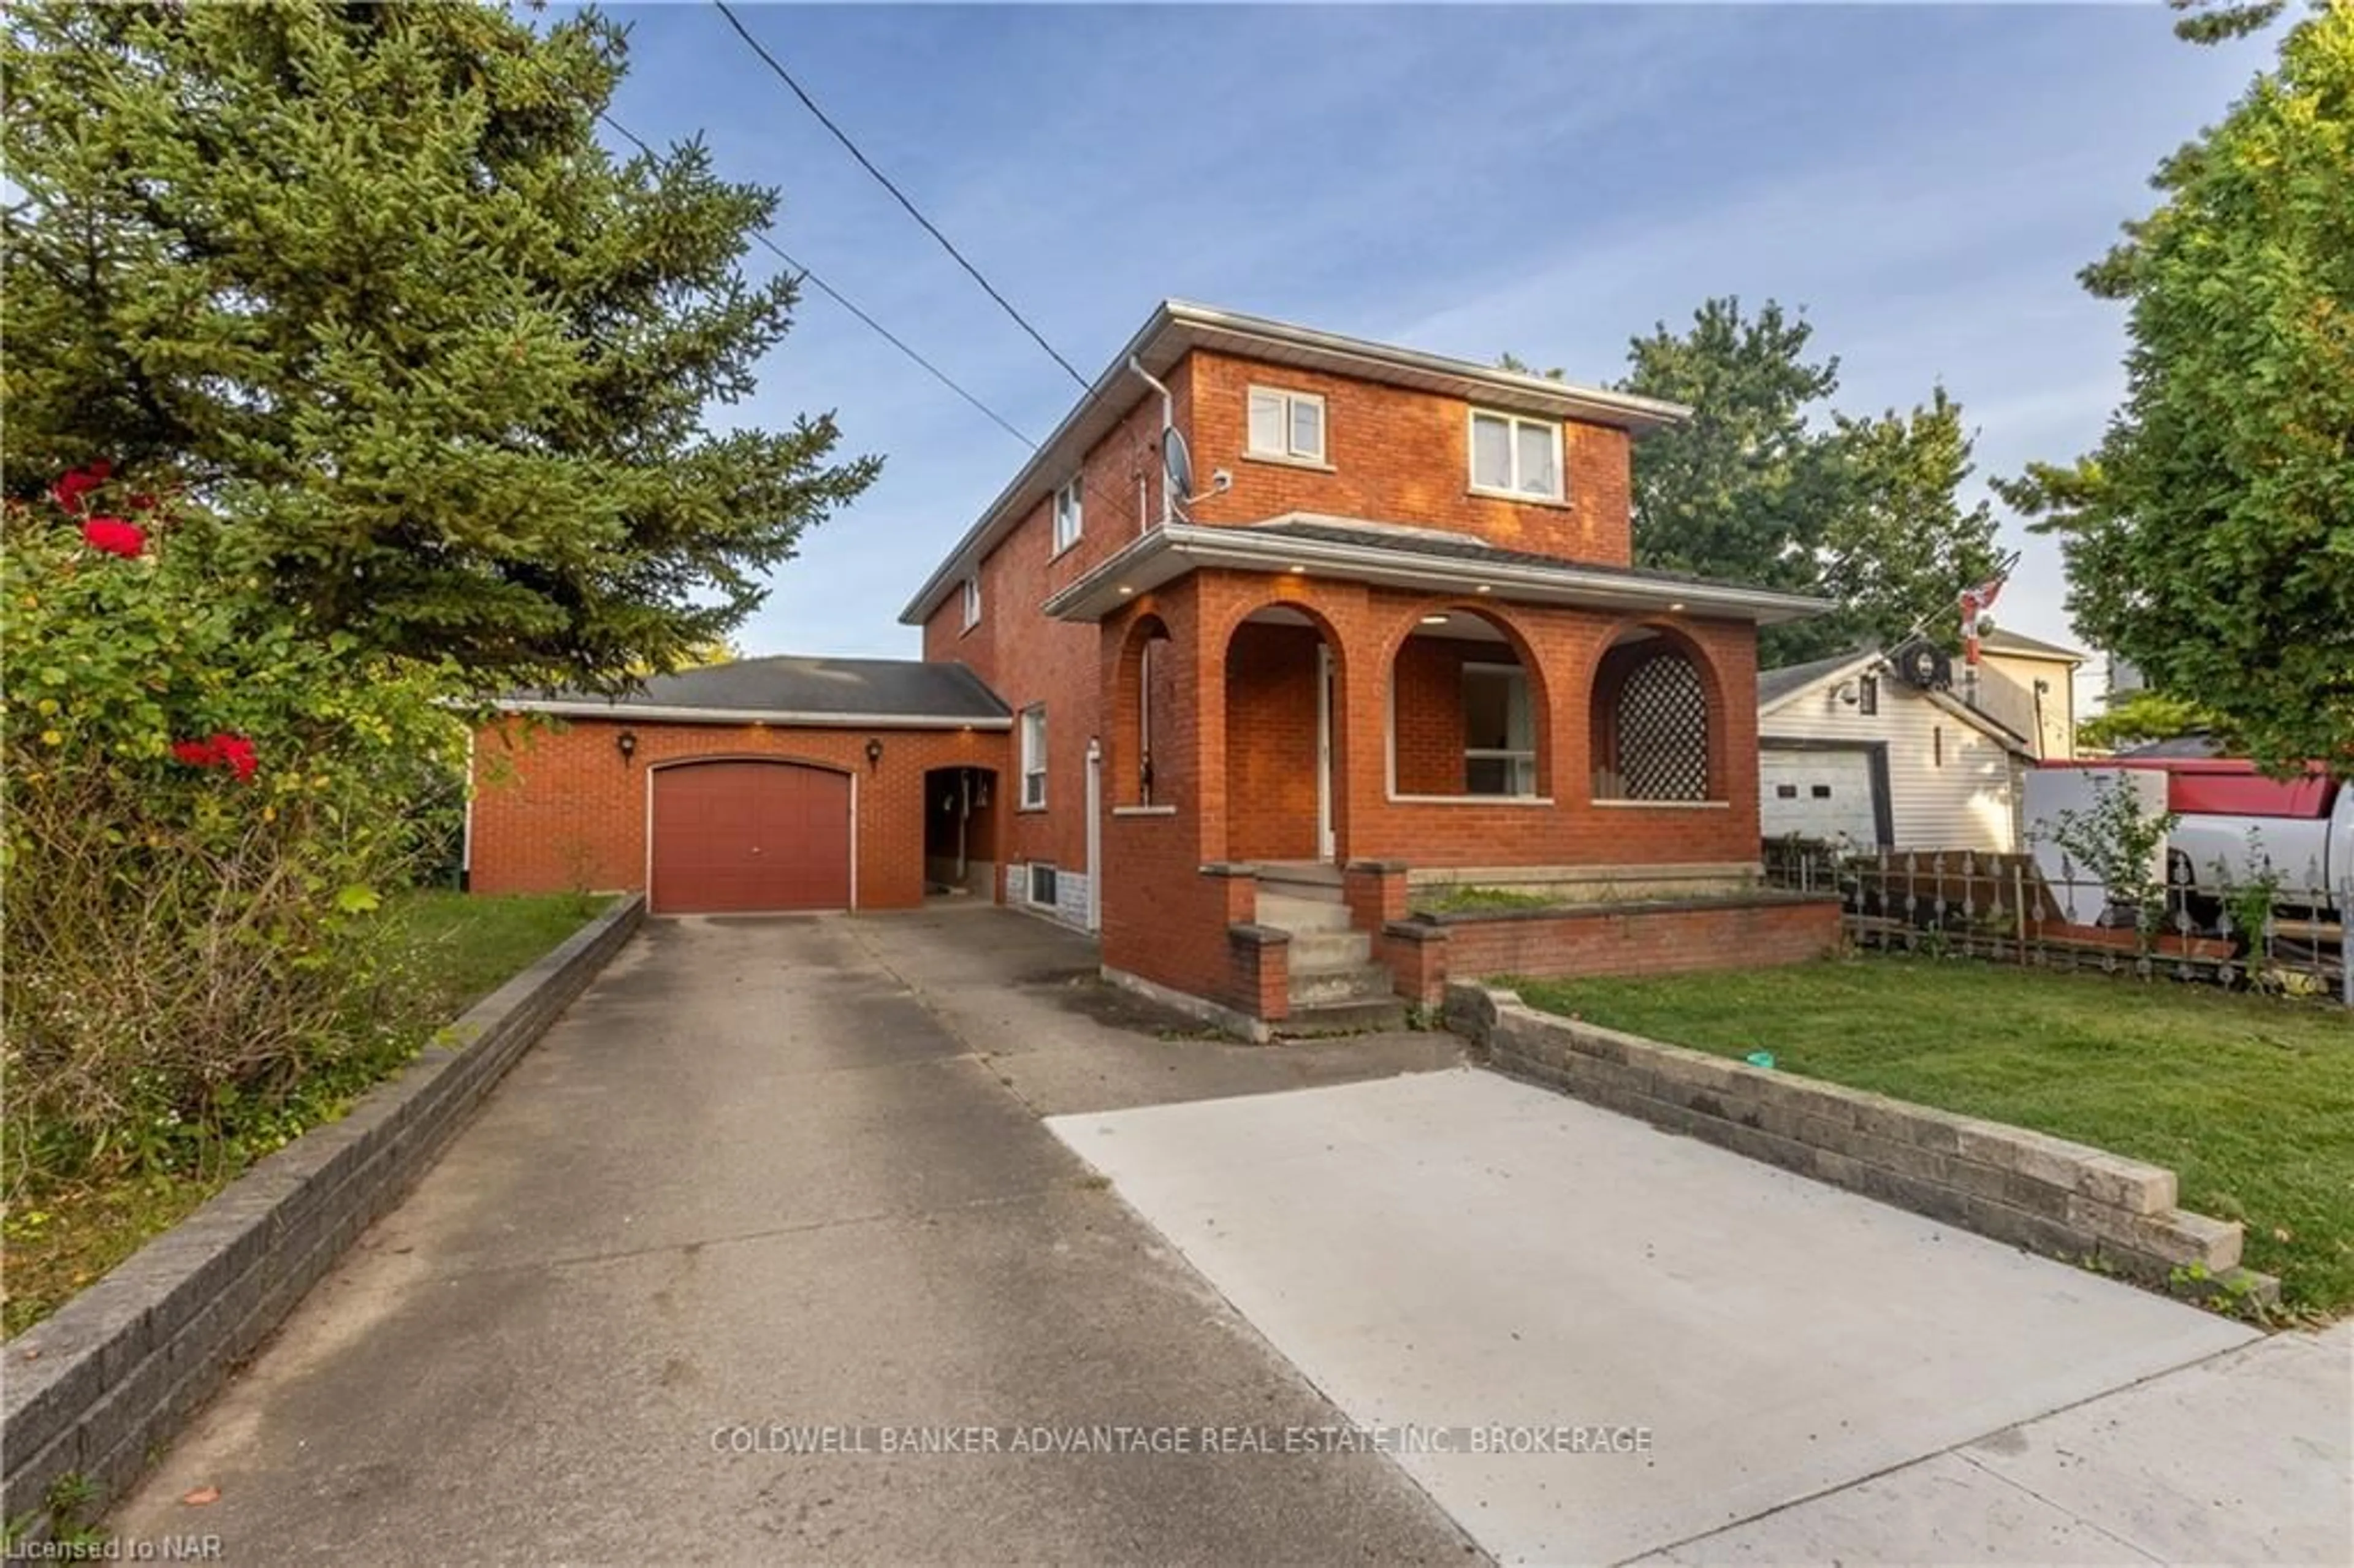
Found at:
<point>763,786</point>
<point>749,836</point>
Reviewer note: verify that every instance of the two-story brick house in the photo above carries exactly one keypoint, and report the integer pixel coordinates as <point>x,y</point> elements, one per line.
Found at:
<point>1383,616</point>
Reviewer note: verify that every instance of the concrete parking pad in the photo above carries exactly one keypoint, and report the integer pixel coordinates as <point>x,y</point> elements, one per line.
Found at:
<point>2245,1457</point>
<point>1461,1252</point>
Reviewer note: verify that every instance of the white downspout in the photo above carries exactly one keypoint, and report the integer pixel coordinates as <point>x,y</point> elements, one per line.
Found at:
<point>1168,422</point>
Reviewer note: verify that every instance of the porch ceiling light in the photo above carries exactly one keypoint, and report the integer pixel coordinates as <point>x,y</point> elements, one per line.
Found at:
<point>1677,608</point>
<point>1434,621</point>
<point>1126,591</point>
<point>1298,567</point>
<point>1483,588</point>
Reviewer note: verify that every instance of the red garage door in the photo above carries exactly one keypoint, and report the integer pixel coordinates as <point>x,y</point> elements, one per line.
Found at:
<point>749,836</point>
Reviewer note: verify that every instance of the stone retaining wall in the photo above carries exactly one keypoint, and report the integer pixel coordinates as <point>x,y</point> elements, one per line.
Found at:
<point>96,1389</point>
<point>2062,1198</point>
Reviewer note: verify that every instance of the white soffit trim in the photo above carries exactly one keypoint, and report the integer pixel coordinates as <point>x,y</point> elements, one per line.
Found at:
<point>1170,552</point>
<point>655,713</point>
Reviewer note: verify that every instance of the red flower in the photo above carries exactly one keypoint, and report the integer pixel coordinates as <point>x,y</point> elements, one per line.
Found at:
<point>237,755</point>
<point>68,491</point>
<point>223,749</point>
<point>114,536</point>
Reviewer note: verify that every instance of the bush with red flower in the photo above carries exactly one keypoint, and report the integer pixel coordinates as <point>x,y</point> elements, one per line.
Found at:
<point>203,804</point>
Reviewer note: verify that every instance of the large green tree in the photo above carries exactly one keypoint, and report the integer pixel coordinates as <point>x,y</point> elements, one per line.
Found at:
<point>358,282</point>
<point>2210,536</point>
<point>1764,484</point>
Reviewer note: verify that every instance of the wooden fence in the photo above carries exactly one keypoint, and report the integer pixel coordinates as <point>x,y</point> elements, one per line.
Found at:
<point>2003,909</point>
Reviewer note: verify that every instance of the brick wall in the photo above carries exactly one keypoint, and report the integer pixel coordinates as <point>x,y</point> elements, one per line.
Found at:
<point>1399,455</point>
<point>1664,936</point>
<point>1369,627</point>
<point>1271,756</point>
<point>559,808</point>
<point>1027,658</point>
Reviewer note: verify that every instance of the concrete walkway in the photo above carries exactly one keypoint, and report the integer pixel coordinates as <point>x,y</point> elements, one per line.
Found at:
<point>1480,1263</point>
<point>755,1179</point>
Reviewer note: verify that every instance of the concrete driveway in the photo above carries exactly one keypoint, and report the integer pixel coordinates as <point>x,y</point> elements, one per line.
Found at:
<point>776,1174</point>
<point>780,1186</point>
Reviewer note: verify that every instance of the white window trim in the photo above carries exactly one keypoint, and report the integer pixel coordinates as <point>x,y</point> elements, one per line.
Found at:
<point>1319,458</point>
<point>972,601</point>
<point>1032,767</point>
<point>1505,754</point>
<point>1558,495</point>
<point>1076,491</point>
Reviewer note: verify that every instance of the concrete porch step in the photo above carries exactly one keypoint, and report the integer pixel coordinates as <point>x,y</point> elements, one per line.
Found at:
<point>1364,1016</point>
<point>1356,984</point>
<point>1300,916</point>
<point>1300,879</point>
<point>1315,952</point>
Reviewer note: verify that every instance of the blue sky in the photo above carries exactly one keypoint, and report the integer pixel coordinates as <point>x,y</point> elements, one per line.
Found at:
<point>1924,181</point>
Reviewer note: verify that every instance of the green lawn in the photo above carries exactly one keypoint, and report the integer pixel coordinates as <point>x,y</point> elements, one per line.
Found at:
<point>61,1241</point>
<point>2250,1100</point>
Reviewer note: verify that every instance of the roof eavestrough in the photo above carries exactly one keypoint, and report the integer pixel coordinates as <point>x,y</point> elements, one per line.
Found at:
<point>1166,554</point>
<point>659,713</point>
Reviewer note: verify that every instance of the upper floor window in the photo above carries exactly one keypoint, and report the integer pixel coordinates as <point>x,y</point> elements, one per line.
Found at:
<point>1066,515</point>
<point>1513,456</point>
<point>1289,425</point>
<point>972,601</point>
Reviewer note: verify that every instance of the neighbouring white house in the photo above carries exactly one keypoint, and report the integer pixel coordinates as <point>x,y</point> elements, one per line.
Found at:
<point>2028,688</point>
<point>1847,749</point>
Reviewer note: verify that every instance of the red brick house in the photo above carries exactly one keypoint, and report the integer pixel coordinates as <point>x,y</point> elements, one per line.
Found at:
<point>1382,629</point>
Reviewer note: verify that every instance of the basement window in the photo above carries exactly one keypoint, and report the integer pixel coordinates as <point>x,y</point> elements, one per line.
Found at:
<point>1042,885</point>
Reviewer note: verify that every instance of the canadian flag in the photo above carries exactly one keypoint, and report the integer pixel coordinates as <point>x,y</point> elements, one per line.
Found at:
<point>1976,602</point>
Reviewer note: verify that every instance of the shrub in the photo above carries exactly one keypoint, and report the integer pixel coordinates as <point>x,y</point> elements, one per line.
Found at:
<point>206,802</point>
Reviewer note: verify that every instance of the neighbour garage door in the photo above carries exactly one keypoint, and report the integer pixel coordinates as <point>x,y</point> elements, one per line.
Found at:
<point>1816,794</point>
<point>749,836</point>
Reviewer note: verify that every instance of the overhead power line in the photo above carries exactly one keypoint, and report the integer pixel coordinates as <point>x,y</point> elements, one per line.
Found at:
<point>901,196</point>
<point>886,334</point>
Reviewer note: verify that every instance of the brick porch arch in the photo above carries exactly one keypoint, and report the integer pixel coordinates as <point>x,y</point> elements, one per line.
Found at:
<point>1276,713</point>
<point>1404,627</point>
<point>1628,664</point>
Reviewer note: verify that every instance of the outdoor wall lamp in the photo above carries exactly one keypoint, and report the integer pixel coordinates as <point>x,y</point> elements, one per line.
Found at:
<point>874,751</point>
<point>626,743</point>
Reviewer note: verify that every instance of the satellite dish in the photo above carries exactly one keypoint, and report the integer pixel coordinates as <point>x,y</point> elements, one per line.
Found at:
<point>1922,664</point>
<point>1177,463</point>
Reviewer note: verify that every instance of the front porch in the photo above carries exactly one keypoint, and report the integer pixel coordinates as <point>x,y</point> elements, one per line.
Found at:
<point>1267,735</point>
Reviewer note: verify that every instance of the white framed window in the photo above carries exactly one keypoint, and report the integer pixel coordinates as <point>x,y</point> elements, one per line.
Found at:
<point>1500,749</point>
<point>1286,425</point>
<point>972,601</point>
<point>1034,757</point>
<point>1066,515</point>
<point>1513,456</point>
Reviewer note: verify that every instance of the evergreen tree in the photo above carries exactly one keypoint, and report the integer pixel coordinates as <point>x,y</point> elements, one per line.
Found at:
<point>357,283</point>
